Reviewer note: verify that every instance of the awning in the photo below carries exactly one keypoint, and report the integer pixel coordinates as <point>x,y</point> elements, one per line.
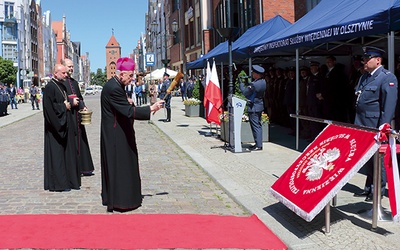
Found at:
<point>159,73</point>
<point>329,21</point>
<point>240,46</point>
<point>395,16</point>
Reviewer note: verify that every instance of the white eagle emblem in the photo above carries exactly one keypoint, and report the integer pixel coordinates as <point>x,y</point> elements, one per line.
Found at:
<point>319,162</point>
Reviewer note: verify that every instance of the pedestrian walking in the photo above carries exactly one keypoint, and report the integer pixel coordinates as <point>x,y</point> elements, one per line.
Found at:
<point>34,100</point>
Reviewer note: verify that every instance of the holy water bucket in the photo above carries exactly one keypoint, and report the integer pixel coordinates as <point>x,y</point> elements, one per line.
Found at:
<point>86,117</point>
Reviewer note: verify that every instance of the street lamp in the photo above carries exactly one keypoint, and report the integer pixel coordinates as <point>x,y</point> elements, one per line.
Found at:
<point>174,26</point>
<point>229,33</point>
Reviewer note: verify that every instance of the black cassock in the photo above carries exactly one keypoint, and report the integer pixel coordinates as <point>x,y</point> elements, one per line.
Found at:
<point>60,172</point>
<point>85,161</point>
<point>121,183</point>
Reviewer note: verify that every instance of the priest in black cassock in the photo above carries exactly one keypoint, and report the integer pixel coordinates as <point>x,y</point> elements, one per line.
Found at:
<point>85,161</point>
<point>59,175</point>
<point>120,178</point>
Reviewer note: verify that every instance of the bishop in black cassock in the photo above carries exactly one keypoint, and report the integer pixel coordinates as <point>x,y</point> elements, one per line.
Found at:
<point>121,183</point>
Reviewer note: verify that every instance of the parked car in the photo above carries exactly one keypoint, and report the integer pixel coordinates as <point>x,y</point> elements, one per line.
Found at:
<point>89,91</point>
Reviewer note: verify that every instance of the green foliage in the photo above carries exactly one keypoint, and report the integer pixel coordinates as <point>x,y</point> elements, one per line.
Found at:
<point>8,73</point>
<point>238,92</point>
<point>196,90</point>
<point>237,89</point>
<point>98,78</point>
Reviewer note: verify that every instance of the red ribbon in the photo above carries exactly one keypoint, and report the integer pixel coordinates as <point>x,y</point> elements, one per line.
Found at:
<point>384,133</point>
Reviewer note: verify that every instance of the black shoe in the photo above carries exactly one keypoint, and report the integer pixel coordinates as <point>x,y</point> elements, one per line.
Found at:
<point>167,120</point>
<point>255,148</point>
<point>89,173</point>
<point>369,198</point>
<point>362,194</point>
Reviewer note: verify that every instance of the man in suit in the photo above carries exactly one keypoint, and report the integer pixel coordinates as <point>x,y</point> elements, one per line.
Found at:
<point>12,91</point>
<point>254,92</point>
<point>334,87</point>
<point>314,98</point>
<point>376,102</point>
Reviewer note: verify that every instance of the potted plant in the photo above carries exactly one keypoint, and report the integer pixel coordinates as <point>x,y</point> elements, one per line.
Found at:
<point>192,107</point>
<point>246,133</point>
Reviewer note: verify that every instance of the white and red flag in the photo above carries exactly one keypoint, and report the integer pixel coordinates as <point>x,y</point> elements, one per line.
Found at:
<point>208,76</point>
<point>392,170</point>
<point>324,167</point>
<point>214,98</point>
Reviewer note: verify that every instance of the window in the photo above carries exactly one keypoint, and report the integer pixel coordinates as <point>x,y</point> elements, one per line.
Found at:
<point>10,52</point>
<point>199,31</point>
<point>177,37</point>
<point>8,10</point>
<point>10,32</point>
<point>311,4</point>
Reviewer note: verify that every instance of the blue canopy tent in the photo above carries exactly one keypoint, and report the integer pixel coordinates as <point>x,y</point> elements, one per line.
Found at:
<point>239,47</point>
<point>332,27</point>
<point>395,16</point>
<point>329,21</point>
<point>202,61</point>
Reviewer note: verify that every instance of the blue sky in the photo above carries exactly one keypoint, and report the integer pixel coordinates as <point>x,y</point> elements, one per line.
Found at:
<point>91,22</point>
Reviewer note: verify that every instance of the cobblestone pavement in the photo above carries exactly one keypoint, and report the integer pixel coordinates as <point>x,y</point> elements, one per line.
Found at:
<point>172,182</point>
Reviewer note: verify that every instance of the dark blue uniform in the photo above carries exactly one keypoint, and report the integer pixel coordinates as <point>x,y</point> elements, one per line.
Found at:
<point>376,100</point>
<point>254,92</point>
<point>375,105</point>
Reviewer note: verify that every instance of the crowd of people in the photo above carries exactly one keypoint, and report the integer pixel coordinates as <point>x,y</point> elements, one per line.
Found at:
<point>10,96</point>
<point>143,93</point>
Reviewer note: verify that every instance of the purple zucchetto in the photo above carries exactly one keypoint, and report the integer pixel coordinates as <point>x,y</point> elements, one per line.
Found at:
<point>125,64</point>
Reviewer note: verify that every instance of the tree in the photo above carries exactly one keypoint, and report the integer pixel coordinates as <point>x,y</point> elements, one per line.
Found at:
<point>8,73</point>
<point>98,78</point>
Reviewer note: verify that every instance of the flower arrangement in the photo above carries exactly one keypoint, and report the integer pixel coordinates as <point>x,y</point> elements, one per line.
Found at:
<point>224,117</point>
<point>264,118</point>
<point>191,102</point>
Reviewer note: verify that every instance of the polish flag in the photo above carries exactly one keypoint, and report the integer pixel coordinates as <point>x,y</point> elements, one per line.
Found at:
<point>214,97</point>
<point>208,76</point>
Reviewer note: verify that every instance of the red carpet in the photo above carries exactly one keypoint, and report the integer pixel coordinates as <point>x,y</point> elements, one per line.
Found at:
<point>135,231</point>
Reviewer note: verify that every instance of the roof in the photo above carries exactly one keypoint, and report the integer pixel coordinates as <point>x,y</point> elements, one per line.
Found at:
<point>57,27</point>
<point>112,42</point>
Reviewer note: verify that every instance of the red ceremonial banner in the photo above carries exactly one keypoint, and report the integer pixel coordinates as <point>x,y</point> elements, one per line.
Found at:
<point>324,167</point>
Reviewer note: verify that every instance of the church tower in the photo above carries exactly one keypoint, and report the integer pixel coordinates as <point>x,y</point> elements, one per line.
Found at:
<point>113,52</point>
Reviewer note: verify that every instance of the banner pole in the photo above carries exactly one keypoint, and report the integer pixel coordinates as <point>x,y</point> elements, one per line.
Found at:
<point>344,124</point>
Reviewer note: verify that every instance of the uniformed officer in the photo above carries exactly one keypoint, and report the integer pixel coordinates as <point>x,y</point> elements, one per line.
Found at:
<point>314,97</point>
<point>375,105</point>
<point>166,97</point>
<point>254,92</point>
